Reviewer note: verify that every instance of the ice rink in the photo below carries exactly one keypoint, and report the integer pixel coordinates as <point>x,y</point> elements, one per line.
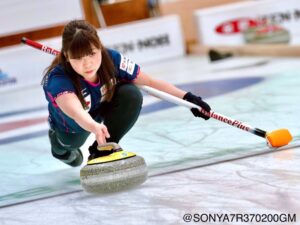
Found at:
<point>196,167</point>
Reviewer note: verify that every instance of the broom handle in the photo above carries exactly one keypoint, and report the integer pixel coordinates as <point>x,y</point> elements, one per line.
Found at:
<point>212,114</point>
<point>168,97</point>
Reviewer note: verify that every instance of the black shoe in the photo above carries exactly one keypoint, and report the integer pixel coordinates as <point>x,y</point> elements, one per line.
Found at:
<point>72,158</point>
<point>216,56</point>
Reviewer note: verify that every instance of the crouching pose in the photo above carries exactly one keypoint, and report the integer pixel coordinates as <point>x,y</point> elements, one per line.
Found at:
<point>91,89</point>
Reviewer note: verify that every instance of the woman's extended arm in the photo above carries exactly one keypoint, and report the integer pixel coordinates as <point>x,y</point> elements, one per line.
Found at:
<point>144,79</point>
<point>71,106</point>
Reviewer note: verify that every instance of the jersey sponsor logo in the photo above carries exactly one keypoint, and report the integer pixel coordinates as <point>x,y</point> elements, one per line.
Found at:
<point>123,63</point>
<point>127,65</point>
<point>87,99</point>
<point>130,67</point>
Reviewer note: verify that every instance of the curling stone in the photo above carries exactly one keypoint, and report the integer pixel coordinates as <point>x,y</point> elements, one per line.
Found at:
<point>117,171</point>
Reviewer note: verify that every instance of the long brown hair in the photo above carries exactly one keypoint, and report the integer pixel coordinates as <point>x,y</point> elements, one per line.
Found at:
<point>77,40</point>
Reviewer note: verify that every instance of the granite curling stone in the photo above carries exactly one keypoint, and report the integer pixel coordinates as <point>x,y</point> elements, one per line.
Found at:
<point>115,172</point>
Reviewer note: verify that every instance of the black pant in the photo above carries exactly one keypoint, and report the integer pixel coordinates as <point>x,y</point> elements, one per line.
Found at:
<point>119,115</point>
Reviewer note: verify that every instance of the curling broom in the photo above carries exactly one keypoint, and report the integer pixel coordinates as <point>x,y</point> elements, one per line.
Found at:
<point>275,139</point>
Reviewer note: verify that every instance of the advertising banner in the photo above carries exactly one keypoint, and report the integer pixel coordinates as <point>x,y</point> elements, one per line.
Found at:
<point>225,25</point>
<point>144,41</point>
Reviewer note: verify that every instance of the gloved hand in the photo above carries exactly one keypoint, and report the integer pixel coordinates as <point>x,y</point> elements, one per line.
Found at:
<point>198,101</point>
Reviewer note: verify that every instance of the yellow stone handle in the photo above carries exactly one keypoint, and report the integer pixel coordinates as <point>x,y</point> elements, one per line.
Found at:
<point>109,146</point>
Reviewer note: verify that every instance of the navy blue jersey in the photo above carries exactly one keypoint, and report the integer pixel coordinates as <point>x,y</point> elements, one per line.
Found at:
<point>57,83</point>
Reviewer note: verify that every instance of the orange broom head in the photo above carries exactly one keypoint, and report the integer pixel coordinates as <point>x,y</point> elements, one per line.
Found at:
<point>279,138</point>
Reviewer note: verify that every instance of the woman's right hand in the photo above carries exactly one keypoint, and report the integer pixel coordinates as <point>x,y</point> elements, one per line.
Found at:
<point>101,133</point>
<point>71,106</point>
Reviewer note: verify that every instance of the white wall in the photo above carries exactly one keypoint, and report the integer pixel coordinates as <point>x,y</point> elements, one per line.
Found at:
<point>25,15</point>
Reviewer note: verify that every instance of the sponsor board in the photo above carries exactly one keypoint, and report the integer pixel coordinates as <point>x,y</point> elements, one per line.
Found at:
<point>146,40</point>
<point>22,67</point>
<point>6,80</point>
<point>225,25</point>
<point>141,42</point>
